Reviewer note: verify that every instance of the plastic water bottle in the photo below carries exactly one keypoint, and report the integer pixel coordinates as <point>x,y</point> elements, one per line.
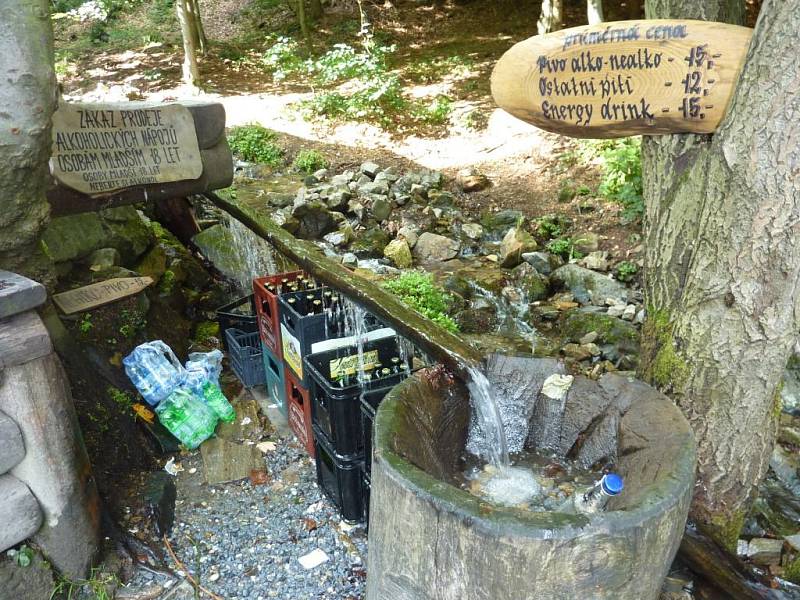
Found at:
<point>217,402</point>
<point>155,370</point>
<point>202,367</point>
<point>187,417</point>
<point>595,498</point>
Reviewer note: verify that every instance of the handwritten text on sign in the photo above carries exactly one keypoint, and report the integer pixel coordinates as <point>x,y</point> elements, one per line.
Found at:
<point>100,148</point>
<point>623,78</point>
<point>98,294</point>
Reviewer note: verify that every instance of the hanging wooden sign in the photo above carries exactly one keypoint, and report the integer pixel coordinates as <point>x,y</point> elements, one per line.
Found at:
<point>623,78</point>
<point>100,148</point>
<point>98,294</point>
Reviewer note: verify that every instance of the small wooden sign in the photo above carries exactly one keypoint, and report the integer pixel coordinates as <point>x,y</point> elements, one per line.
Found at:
<point>624,78</point>
<point>98,294</point>
<point>100,148</point>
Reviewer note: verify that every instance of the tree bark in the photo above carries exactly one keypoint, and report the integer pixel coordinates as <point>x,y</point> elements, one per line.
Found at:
<point>201,41</point>
<point>301,19</point>
<point>722,266</point>
<point>315,9</point>
<point>28,99</point>
<point>551,18</point>
<point>594,11</point>
<point>191,75</point>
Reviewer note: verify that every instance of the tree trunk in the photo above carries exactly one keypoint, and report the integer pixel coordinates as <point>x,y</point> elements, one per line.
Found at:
<point>28,99</point>
<point>594,11</point>
<point>315,9</point>
<point>191,75</point>
<point>301,19</point>
<point>201,41</point>
<point>551,18</point>
<point>722,266</point>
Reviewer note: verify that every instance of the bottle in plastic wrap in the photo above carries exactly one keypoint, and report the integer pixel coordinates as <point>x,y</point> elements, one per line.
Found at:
<point>187,417</point>
<point>155,370</point>
<point>217,402</point>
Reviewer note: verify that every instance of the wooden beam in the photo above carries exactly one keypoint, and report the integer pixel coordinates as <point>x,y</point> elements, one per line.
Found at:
<point>442,345</point>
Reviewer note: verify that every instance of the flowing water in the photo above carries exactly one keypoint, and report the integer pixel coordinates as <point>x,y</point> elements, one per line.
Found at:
<point>494,448</point>
<point>254,254</point>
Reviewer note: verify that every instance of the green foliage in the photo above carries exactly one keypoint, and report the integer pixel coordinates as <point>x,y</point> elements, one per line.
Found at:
<point>418,291</point>
<point>132,322</point>
<point>23,556</point>
<point>565,248</point>
<point>622,176</point>
<point>309,161</point>
<point>99,586</point>
<point>437,112</point>
<point>122,399</point>
<point>551,226</point>
<point>429,70</point>
<point>626,270</point>
<point>255,143</point>
<point>85,324</point>
<point>283,58</point>
<point>167,282</point>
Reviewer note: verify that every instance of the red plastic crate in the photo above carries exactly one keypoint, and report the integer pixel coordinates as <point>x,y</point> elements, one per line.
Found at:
<point>269,326</point>
<point>298,400</point>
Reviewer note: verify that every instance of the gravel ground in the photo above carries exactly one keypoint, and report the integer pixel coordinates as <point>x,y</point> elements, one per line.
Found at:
<point>241,540</point>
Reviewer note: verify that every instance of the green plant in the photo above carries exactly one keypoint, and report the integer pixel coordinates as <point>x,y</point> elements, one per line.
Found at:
<point>565,248</point>
<point>309,161</point>
<point>167,282</point>
<point>85,324</point>
<point>255,143</point>
<point>23,556</point>
<point>121,398</point>
<point>551,226</point>
<point>417,290</point>
<point>283,58</point>
<point>626,270</point>
<point>622,176</point>
<point>132,322</point>
<point>96,587</point>
<point>437,112</point>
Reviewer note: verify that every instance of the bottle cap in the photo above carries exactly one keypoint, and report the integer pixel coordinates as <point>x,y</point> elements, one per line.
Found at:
<point>612,484</point>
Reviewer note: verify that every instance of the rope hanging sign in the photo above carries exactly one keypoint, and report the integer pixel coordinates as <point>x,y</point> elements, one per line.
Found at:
<point>624,78</point>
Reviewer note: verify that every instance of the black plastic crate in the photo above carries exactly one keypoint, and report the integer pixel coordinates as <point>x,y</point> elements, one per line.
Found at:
<point>370,401</point>
<point>244,351</point>
<point>335,409</point>
<point>366,487</point>
<point>340,480</point>
<point>239,314</point>
<point>300,330</point>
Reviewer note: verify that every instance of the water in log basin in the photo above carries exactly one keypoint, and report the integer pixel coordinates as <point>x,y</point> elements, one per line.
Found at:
<point>432,539</point>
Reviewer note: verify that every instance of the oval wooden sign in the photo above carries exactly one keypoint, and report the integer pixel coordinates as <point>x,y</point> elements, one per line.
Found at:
<point>624,78</point>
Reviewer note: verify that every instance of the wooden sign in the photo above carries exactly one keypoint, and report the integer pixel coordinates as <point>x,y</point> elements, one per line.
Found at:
<point>100,148</point>
<point>623,78</point>
<point>98,294</point>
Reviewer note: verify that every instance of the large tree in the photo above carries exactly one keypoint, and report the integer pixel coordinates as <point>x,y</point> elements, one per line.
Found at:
<point>722,265</point>
<point>27,102</point>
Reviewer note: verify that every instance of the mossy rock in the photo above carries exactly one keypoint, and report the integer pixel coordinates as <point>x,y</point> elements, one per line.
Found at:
<point>476,320</point>
<point>497,224</point>
<point>610,330</point>
<point>154,263</point>
<point>488,277</point>
<point>533,284</point>
<point>371,243</point>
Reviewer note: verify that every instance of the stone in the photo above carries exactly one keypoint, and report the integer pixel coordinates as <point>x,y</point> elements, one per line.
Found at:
<point>597,261</point>
<point>379,188</point>
<point>33,582</point>
<point>321,174</point>
<point>765,551</point>
<point>593,349</point>
<point>342,179</point>
<point>225,461</point>
<point>410,233</point>
<point>419,191</point>
<point>21,516</point>
<point>19,294</point>
<point>544,262</point>
<point>589,287</point>
<point>339,238</point>
<point>338,200</point>
<point>533,284</point>
<point>616,310</point>
<point>399,253</point>
<point>401,199</point>
<point>154,263</point>
<point>104,258</point>
<point>370,169</point>
<point>73,237</point>
<point>23,338</point>
<point>515,243</point>
<point>12,448</point>
<point>431,247</point>
<point>217,245</point>
<point>793,541</point>
<point>577,352</point>
<point>370,243</point>
<point>440,199</point>
<point>586,242</point>
<point>381,209</point>
<point>432,179</point>
<point>473,231</point>
<point>588,338</point>
<point>470,180</point>
<point>349,259</point>
<point>609,330</point>
<point>639,318</point>
<point>496,224</point>
<point>159,497</point>
<point>477,319</point>
<point>356,208</point>
<point>56,469</point>
<point>315,220</point>
<point>629,313</point>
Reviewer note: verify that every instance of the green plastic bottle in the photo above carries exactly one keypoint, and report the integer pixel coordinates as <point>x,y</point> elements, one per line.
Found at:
<point>187,417</point>
<point>217,402</point>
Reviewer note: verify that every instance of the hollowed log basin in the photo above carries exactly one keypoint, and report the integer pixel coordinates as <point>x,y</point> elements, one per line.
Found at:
<point>431,540</point>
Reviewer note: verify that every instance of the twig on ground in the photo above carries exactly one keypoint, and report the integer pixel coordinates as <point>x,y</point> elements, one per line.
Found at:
<point>183,568</point>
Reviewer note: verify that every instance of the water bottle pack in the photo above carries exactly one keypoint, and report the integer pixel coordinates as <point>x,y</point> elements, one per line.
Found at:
<point>187,399</point>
